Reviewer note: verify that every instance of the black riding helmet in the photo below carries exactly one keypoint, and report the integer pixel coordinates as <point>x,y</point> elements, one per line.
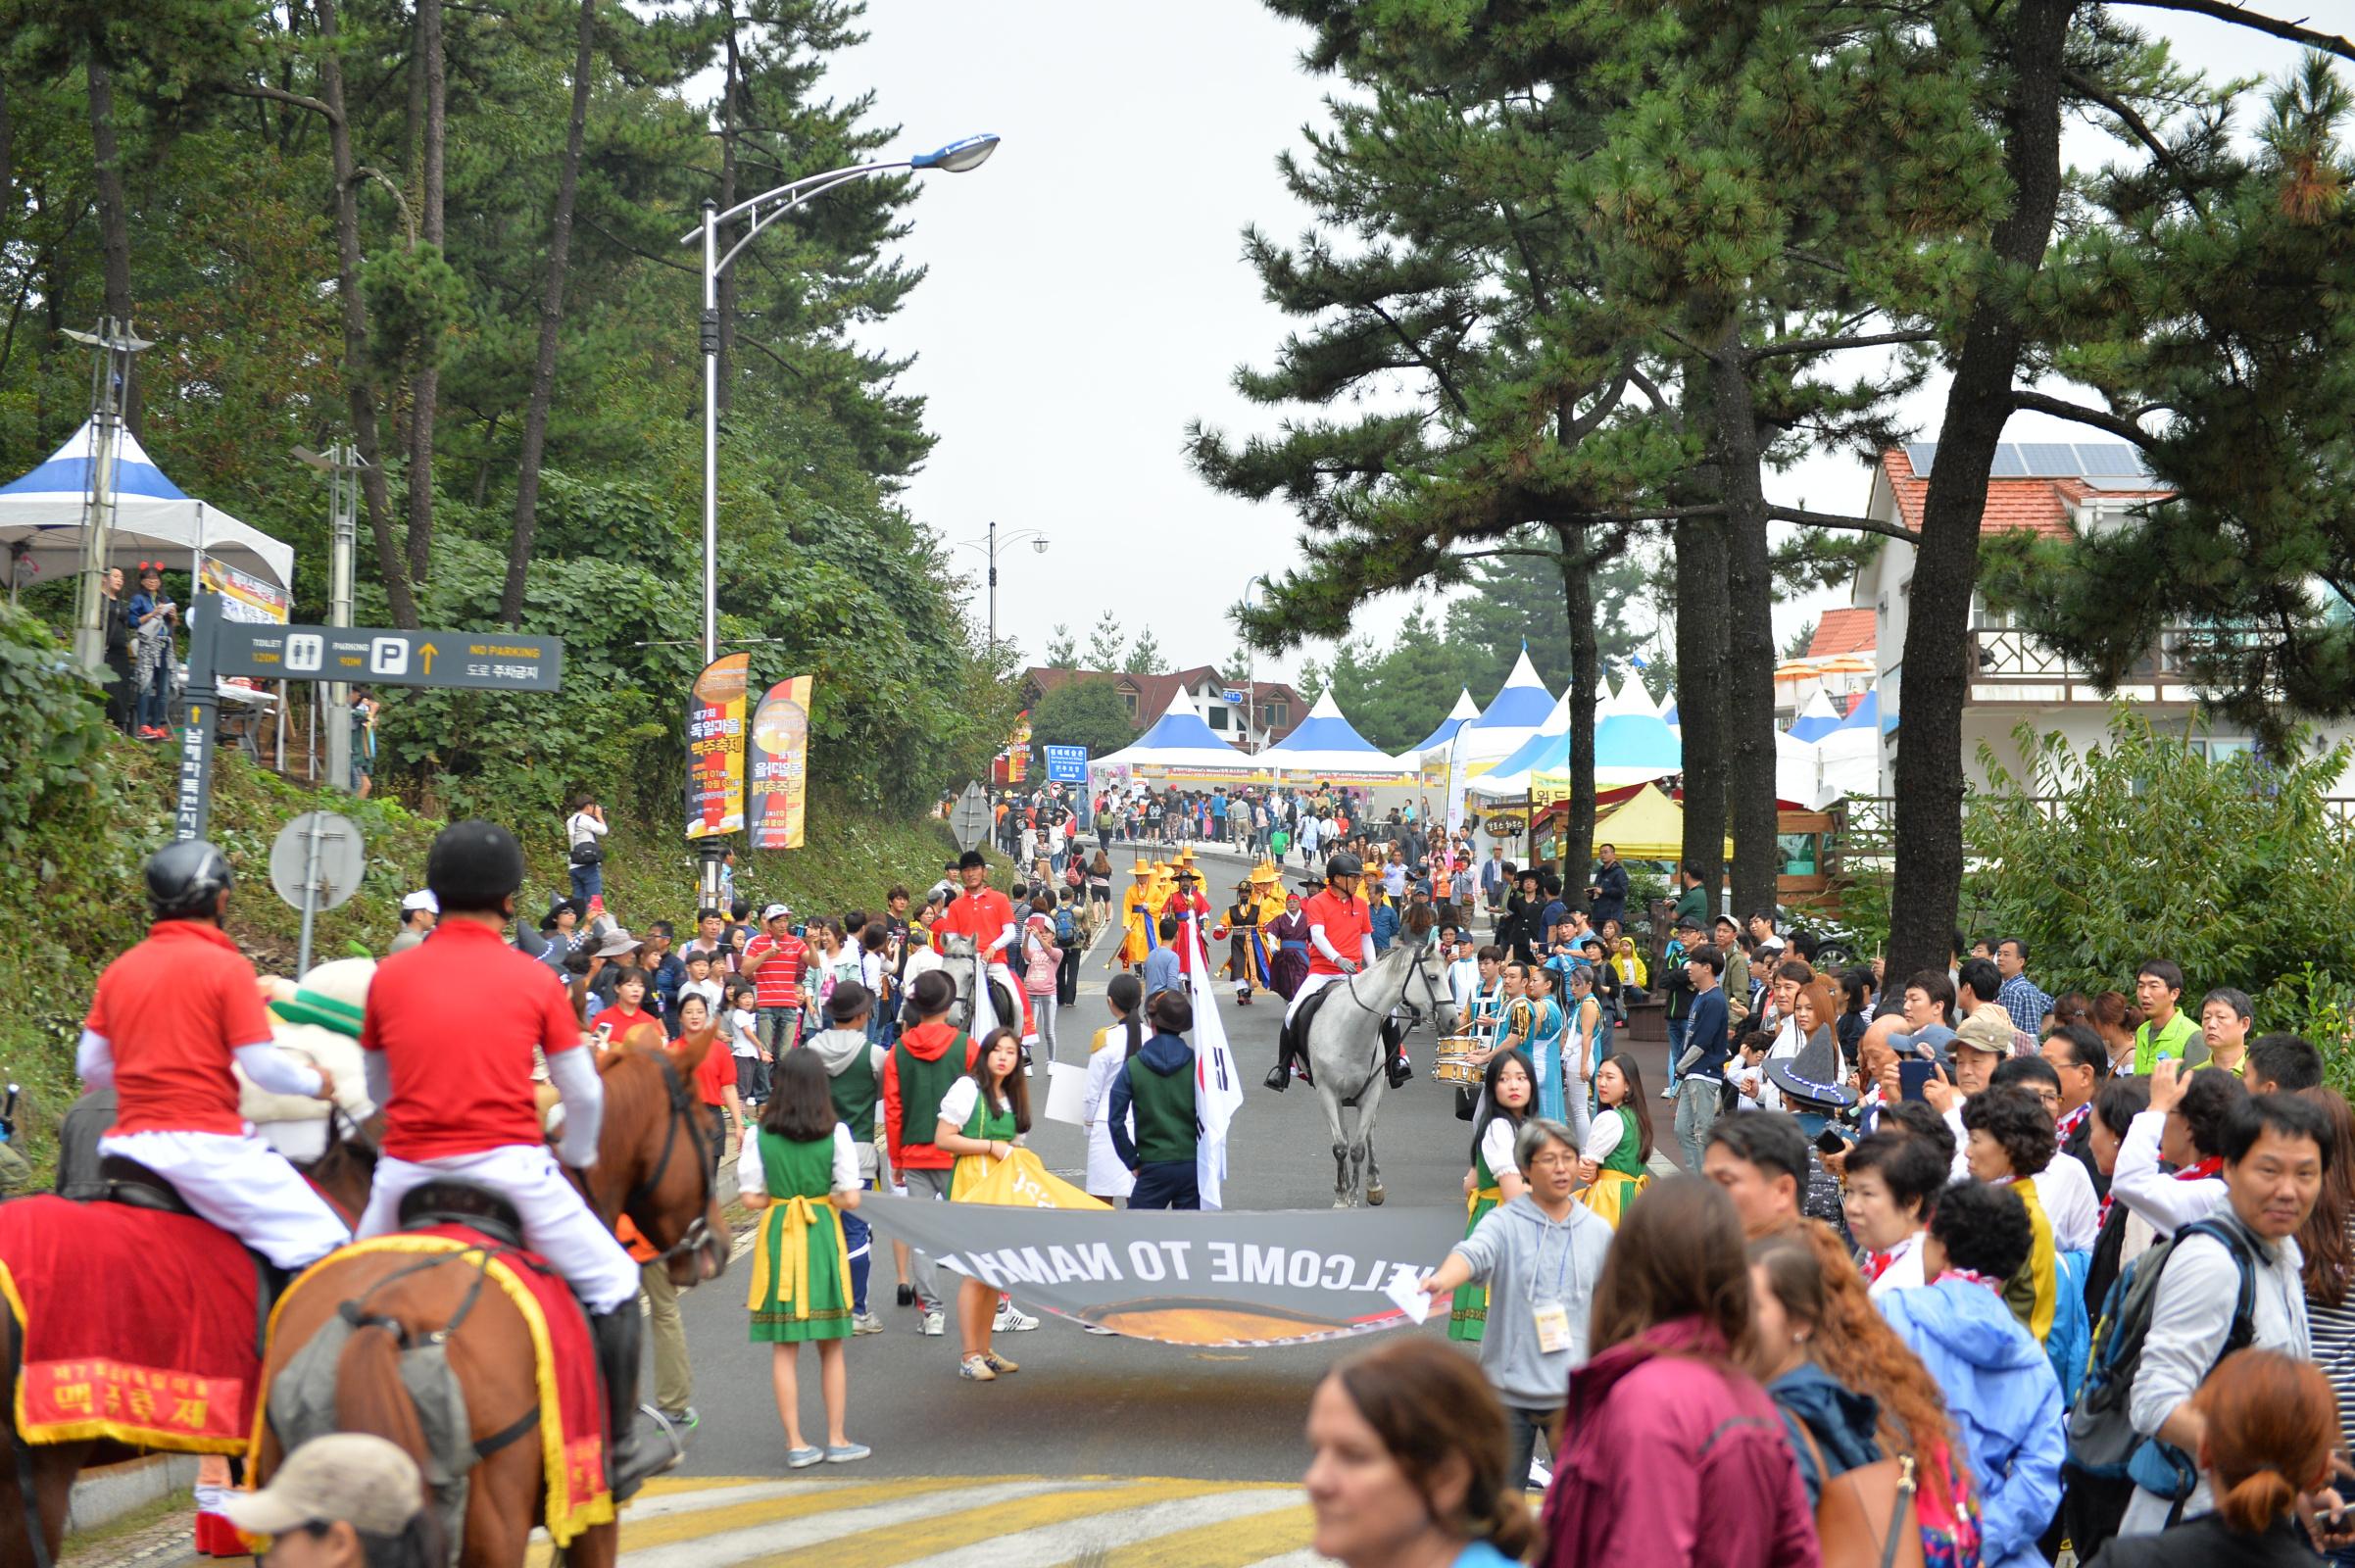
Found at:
<point>186,880</point>
<point>1344,864</point>
<point>474,867</point>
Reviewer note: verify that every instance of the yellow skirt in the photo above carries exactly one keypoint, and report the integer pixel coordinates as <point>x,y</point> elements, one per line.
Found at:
<point>972,1171</point>
<point>1612,1192</point>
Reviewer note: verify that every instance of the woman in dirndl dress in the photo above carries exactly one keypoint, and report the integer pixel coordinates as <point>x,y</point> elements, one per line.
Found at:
<point>982,1120</point>
<point>1615,1160</point>
<point>799,1168</point>
<point>1494,1179</point>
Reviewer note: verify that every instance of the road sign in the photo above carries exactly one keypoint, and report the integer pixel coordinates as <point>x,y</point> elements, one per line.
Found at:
<point>316,864</point>
<point>1066,764</point>
<point>500,661</point>
<point>969,819</point>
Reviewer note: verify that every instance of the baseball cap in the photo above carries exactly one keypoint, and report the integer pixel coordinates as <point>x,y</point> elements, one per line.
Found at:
<point>425,900</point>
<point>773,912</point>
<point>362,1479</point>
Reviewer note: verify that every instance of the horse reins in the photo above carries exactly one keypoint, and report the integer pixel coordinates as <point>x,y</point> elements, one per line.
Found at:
<point>699,1230</point>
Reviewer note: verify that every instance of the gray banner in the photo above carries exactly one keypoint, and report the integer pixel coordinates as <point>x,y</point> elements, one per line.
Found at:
<point>1221,1277</point>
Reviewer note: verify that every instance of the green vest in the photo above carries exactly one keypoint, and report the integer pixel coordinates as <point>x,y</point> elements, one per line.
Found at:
<point>988,1124</point>
<point>854,1092</point>
<point>1164,1111</point>
<point>1628,1158</point>
<point>797,1169</point>
<point>923,1086</point>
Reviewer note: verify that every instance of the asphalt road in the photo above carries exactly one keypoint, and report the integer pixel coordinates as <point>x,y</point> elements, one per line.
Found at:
<point>1087,1404</point>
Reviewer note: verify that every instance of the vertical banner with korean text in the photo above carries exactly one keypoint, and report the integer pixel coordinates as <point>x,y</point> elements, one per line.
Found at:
<point>715,747</point>
<point>780,766</point>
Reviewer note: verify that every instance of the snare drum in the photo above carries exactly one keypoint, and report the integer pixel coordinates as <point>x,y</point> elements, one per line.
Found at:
<point>1454,1063</point>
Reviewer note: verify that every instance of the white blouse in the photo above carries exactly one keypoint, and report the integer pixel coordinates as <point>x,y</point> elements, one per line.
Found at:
<point>752,1181</point>
<point>1497,1148</point>
<point>1603,1136</point>
<point>957,1106</point>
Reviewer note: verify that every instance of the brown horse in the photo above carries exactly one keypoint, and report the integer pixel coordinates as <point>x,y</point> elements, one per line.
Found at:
<point>655,1163</point>
<point>344,1173</point>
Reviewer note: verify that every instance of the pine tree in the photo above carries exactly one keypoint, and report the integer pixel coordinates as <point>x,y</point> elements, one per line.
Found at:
<point>1105,645</point>
<point>1145,657</point>
<point>1062,649</point>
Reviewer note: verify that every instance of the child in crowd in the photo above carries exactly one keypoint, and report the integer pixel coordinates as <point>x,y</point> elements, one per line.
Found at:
<point>743,1035</point>
<point>982,1119</point>
<point>1157,1082</point>
<point>800,1169</point>
<point>701,982</point>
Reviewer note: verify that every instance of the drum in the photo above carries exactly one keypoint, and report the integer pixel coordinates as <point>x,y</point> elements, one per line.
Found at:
<point>1454,1064</point>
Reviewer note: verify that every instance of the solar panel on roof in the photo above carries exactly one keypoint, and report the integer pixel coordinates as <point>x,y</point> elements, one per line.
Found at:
<point>2050,458</point>
<point>2008,465</point>
<point>2112,458</point>
<point>1921,454</point>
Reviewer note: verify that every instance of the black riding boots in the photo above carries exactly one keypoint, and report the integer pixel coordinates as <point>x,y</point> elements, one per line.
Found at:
<point>632,1455</point>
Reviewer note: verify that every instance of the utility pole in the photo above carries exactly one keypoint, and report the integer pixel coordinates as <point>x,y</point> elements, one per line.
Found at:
<point>341,464</point>
<point>110,395</point>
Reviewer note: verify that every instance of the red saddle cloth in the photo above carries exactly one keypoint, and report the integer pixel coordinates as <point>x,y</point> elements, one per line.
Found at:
<point>571,1426</point>
<point>134,1325</point>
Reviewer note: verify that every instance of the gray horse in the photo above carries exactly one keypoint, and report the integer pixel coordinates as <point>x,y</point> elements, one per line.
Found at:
<point>962,965</point>
<point>1345,1057</point>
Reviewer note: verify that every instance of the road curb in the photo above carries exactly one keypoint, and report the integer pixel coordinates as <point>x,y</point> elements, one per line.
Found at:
<point>105,1494</point>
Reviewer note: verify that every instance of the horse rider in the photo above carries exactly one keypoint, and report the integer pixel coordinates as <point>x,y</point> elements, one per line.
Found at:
<point>448,1039</point>
<point>1340,944</point>
<point>987,916</point>
<point>169,1018</point>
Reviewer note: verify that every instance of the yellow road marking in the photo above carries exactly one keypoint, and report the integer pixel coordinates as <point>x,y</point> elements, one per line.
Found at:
<point>1230,1545</point>
<point>878,1548</point>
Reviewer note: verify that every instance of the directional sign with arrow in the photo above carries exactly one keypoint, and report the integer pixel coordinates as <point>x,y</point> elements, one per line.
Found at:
<point>492,661</point>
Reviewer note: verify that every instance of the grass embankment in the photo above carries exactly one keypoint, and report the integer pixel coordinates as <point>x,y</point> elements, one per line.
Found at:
<point>90,903</point>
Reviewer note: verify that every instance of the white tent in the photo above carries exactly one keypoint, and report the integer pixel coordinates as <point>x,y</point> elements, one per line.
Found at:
<point>1328,746</point>
<point>42,518</point>
<point>1434,746</point>
<point>1816,719</point>
<point>1180,743</point>
<point>1520,708</point>
<point>1509,777</point>
<point>1626,700</point>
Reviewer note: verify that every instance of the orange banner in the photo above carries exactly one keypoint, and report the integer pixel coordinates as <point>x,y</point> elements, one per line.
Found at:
<point>780,766</point>
<point>716,747</point>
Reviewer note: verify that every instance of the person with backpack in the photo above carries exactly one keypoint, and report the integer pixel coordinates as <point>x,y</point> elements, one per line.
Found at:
<point>2223,1283</point>
<point>1153,1091</point>
<point>1999,1387</point>
<point>1043,930</point>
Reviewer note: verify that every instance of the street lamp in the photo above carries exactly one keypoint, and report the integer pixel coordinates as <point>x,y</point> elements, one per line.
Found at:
<point>1250,694</point>
<point>956,158</point>
<point>988,544</point>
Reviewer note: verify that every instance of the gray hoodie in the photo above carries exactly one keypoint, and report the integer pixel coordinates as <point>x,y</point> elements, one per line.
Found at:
<point>837,1049</point>
<point>1527,1260</point>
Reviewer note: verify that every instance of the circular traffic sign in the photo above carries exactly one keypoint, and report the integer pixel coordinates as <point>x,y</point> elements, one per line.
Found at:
<point>321,850</point>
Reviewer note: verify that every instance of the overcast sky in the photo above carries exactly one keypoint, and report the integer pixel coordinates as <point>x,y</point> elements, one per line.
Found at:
<point>1087,295</point>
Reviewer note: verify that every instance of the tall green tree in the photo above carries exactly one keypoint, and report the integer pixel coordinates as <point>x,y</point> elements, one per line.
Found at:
<point>1108,645</point>
<point>1083,712</point>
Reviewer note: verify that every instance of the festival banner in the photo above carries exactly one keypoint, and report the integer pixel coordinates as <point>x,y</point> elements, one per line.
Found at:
<point>243,596</point>
<point>1209,1277</point>
<point>780,766</point>
<point>715,747</point>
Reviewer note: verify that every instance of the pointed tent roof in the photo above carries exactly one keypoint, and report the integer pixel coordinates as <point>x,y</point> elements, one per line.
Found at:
<point>1325,730</point>
<point>1179,740</point>
<point>1521,703</point>
<point>1646,826</point>
<point>1866,715</point>
<point>1511,775</point>
<point>1464,710</point>
<point>1178,726</point>
<point>1816,719</point>
<point>43,514</point>
<point>1631,748</point>
<point>1626,698</point>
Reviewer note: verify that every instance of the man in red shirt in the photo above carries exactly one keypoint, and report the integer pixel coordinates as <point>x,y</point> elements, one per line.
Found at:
<point>449,1035</point>
<point>1341,942</point>
<point>166,1021</point>
<point>775,962</point>
<point>987,916</point>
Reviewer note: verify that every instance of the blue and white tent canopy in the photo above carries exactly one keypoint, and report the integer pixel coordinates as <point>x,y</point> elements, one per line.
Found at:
<point>1866,715</point>
<point>1181,742</point>
<point>1327,743</point>
<point>1462,713</point>
<point>1518,710</point>
<point>1816,719</point>
<point>1510,775</point>
<point>42,518</point>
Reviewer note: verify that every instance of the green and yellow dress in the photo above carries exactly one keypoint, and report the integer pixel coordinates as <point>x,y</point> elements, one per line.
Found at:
<point>801,1258</point>
<point>1468,1316</point>
<point>1622,1174</point>
<point>988,1125</point>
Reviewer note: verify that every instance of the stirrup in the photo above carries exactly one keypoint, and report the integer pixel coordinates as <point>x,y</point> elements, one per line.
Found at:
<point>636,1459</point>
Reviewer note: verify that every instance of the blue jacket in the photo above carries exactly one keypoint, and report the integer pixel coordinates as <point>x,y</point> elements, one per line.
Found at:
<point>2006,1402</point>
<point>1386,924</point>
<point>1843,1423</point>
<point>1706,1027</point>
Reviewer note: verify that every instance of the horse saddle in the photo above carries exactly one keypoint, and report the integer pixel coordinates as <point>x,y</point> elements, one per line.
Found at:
<point>133,1184</point>
<point>449,1202</point>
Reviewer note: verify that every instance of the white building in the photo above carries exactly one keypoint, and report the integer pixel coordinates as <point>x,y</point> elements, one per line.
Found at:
<point>2047,488</point>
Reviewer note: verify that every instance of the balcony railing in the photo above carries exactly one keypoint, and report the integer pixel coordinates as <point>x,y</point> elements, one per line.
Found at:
<point>2007,655</point>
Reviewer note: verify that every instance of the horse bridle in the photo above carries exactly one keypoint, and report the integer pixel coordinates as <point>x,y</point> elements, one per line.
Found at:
<point>682,1109</point>
<point>1430,990</point>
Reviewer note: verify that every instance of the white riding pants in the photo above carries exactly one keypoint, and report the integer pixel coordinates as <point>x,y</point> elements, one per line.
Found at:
<point>1309,987</point>
<point>557,1224</point>
<point>240,1183</point>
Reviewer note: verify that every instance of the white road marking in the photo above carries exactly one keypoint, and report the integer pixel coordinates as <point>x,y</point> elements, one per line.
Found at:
<point>1073,1538</point>
<point>734,1546</point>
<point>1302,1558</point>
<point>647,1506</point>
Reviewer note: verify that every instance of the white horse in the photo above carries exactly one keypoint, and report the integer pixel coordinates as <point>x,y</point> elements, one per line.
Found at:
<point>1345,1057</point>
<point>963,965</point>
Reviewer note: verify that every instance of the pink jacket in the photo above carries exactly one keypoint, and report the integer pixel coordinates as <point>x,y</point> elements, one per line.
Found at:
<point>1671,1462</point>
<point>1041,957</point>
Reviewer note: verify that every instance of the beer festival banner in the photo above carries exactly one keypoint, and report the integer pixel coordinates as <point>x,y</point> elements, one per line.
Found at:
<point>780,766</point>
<point>715,747</point>
<point>243,596</point>
<point>1184,1277</point>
